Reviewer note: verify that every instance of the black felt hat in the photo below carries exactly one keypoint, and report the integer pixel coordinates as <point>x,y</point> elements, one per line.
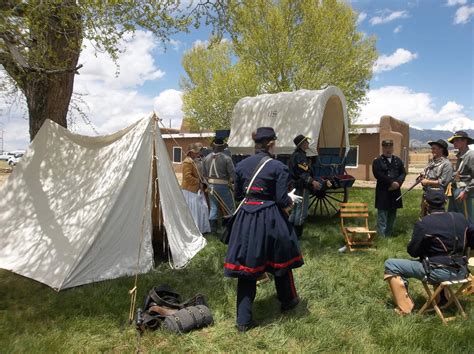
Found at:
<point>219,142</point>
<point>461,134</point>
<point>387,142</point>
<point>299,139</point>
<point>442,144</point>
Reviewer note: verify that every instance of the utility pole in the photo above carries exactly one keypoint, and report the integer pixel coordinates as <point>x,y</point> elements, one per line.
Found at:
<point>1,137</point>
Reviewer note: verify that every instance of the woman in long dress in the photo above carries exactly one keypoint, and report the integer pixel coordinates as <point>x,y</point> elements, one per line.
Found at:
<point>192,187</point>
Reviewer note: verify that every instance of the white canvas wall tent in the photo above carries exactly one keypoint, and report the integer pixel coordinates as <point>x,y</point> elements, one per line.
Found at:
<point>321,115</point>
<point>78,209</point>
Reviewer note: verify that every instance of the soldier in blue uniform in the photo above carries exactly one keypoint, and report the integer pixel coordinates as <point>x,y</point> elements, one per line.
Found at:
<point>261,238</point>
<point>302,180</point>
<point>390,173</point>
<point>438,241</point>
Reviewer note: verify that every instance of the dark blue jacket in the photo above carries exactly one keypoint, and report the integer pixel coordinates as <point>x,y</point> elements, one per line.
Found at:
<point>439,236</point>
<point>300,170</point>
<point>387,172</point>
<point>270,186</point>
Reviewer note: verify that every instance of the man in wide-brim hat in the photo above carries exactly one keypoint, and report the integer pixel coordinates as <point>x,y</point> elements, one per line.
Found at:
<point>302,180</point>
<point>439,171</point>
<point>463,181</point>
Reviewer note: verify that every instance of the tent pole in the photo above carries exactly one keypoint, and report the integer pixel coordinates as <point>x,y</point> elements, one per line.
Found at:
<point>133,292</point>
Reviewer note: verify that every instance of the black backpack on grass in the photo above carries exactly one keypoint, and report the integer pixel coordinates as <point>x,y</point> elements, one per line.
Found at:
<point>163,305</point>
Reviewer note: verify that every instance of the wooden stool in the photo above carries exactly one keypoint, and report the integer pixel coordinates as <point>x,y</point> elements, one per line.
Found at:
<point>431,304</point>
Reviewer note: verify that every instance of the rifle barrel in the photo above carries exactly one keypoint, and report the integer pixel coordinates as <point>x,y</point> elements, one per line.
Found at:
<point>418,181</point>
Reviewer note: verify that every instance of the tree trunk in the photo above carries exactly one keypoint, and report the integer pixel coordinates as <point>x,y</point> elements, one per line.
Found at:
<point>48,94</point>
<point>48,97</point>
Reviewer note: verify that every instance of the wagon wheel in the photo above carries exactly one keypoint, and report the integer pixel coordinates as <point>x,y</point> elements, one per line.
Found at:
<point>326,203</point>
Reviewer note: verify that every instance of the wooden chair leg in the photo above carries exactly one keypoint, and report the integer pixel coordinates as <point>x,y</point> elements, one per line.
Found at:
<point>454,296</point>
<point>431,302</point>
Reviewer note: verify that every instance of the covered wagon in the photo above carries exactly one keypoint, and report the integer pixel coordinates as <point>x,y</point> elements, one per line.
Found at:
<point>321,115</point>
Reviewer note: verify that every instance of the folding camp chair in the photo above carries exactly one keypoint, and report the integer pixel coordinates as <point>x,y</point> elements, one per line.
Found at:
<point>462,287</point>
<point>356,236</point>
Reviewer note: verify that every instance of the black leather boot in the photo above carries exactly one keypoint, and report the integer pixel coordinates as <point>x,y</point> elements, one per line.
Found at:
<point>298,230</point>
<point>213,224</point>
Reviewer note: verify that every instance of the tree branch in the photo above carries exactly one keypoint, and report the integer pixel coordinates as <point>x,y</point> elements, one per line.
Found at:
<point>17,58</point>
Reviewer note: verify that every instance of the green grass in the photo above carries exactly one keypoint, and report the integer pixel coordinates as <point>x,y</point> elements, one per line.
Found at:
<point>346,306</point>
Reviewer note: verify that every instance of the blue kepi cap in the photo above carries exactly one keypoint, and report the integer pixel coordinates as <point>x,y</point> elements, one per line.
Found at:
<point>264,133</point>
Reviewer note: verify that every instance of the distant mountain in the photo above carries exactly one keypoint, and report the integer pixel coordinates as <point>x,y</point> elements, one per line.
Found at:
<point>420,137</point>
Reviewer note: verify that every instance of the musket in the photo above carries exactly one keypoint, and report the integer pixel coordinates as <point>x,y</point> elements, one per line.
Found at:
<point>417,182</point>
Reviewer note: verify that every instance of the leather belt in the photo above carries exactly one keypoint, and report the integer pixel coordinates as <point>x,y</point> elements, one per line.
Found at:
<point>217,181</point>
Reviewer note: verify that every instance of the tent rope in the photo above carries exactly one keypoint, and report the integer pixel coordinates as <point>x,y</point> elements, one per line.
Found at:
<point>133,292</point>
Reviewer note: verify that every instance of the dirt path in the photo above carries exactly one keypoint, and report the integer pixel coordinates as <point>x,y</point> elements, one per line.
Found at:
<point>409,180</point>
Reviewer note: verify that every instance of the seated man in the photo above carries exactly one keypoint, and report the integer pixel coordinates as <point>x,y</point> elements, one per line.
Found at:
<point>438,241</point>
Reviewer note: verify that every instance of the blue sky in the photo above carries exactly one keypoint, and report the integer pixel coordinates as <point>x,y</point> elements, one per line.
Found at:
<point>424,74</point>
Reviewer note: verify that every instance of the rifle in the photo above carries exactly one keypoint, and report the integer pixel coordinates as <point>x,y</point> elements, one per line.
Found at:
<point>417,182</point>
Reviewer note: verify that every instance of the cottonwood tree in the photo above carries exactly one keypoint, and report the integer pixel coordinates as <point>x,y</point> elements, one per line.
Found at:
<point>40,41</point>
<point>289,45</point>
<point>213,85</point>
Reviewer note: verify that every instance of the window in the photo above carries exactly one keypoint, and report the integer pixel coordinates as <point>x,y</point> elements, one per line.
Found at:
<point>177,153</point>
<point>352,159</point>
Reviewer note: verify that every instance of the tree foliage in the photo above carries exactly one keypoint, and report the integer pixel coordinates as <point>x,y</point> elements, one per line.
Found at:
<point>213,85</point>
<point>287,45</point>
<point>40,41</point>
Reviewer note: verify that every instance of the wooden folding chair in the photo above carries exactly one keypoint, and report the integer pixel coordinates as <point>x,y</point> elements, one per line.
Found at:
<point>356,236</point>
<point>464,287</point>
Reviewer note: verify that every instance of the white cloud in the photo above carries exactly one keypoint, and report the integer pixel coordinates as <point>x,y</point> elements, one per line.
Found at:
<point>168,106</point>
<point>397,29</point>
<point>387,17</point>
<point>463,14</point>
<point>456,124</point>
<point>136,63</point>
<point>362,16</point>
<point>412,107</point>
<point>389,62</point>
<point>176,44</point>
<point>455,2</point>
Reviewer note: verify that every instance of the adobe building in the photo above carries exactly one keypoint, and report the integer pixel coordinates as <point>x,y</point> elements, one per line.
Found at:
<point>177,141</point>
<point>366,145</point>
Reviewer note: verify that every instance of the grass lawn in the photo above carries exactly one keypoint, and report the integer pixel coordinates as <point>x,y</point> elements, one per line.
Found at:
<point>346,306</point>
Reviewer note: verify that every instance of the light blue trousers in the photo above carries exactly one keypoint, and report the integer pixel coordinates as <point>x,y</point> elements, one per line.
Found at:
<point>300,210</point>
<point>407,268</point>
<point>461,206</point>
<point>225,195</point>
<point>385,221</point>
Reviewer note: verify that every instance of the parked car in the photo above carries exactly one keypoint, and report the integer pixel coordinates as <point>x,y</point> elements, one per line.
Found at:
<point>6,155</point>
<point>13,160</point>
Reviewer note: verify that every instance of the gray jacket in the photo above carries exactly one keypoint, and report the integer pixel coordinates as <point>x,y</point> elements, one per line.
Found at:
<point>440,170</point>
<point>465,170</point>
<point>219,166</point>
